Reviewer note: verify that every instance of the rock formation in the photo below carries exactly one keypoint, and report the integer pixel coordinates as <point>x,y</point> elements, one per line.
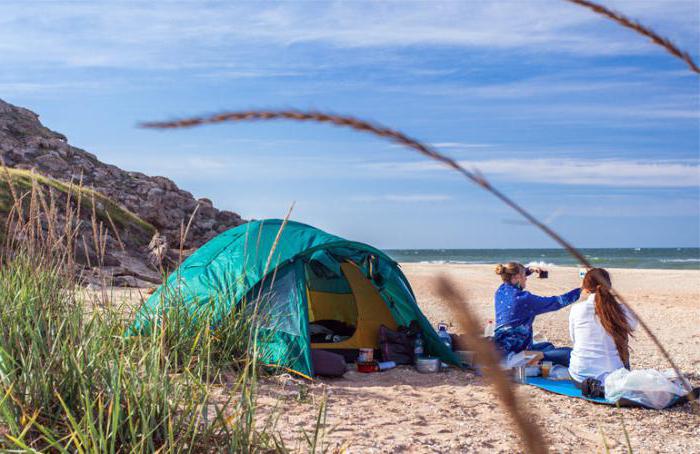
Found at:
<point>26,144</point>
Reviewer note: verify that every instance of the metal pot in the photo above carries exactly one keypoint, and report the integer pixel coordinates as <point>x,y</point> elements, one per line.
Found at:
<point>428,365</point>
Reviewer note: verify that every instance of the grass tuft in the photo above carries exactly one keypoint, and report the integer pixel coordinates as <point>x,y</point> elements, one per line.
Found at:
<point>72,381</point>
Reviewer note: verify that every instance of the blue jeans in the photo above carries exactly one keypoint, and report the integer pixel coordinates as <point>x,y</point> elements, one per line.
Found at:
<point>557,355</point>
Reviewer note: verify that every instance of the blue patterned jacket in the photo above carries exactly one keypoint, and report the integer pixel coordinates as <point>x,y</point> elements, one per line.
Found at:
<point>516,310</point>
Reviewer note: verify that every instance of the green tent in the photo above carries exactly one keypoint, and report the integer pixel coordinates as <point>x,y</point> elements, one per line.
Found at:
<point>302,277</point>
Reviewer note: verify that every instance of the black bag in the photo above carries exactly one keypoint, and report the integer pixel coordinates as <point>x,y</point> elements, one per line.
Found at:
<point>590,387</point>
<point>328,364</point>
<point>398,345</point>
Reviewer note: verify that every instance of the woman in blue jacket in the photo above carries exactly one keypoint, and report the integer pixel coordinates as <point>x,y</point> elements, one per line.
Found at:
<point>516,310</point>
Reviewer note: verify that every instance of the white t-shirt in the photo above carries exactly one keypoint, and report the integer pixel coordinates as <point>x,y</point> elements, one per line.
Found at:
<point>594,353</point>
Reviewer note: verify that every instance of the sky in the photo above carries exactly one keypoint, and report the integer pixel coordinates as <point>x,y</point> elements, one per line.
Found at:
<point>589,126</point>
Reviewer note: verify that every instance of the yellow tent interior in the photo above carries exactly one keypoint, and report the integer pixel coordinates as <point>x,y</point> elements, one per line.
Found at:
<point>362,307</point>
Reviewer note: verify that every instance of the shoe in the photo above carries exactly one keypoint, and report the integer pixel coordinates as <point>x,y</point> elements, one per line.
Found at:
<point>592,387</point>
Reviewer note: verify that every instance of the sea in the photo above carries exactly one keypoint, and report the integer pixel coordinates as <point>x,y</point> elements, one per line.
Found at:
<point>641,258</point>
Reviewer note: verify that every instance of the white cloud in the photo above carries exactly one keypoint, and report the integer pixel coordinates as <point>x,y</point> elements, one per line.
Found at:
<point>644,110</point>
<point>460,145</point>
<point>186,34</point>
<point>585,172</point>
<point>527,88</point>
<point>16,88</point>
<point>401,198</point>
<point>250,74</point>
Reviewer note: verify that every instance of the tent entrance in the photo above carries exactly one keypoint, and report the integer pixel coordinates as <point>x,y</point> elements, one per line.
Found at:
<point>362,308</point>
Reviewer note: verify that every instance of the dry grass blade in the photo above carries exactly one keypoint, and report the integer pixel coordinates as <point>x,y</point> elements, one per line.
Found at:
<point>275,243</point>
<point>400,138</point>
<point>488,358</point>
<point>116,231</point>
<point>184,232</point>
<point>641,29</point>
<point>93,224</point>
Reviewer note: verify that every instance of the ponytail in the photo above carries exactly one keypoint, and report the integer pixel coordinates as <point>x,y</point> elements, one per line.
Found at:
<point>611,314</point>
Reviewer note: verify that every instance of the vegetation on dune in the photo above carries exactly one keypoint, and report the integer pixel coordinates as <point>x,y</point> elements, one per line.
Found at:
<point>105,208</point>
<point>72,381</point>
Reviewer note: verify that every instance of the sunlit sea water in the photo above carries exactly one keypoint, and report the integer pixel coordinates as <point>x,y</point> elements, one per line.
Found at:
<point>646,258</point>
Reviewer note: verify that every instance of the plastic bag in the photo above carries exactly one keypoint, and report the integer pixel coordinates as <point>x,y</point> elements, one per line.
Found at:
<point>559,372</point>
<point>647,387</point>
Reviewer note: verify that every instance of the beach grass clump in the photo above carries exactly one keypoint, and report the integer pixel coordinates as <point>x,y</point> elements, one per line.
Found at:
<point>72,380</point>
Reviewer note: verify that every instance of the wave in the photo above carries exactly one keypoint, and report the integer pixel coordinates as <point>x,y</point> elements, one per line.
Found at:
<point>659,258</point>
<point>540,264</point>
<point>450,262</point>
<point>679,260</point>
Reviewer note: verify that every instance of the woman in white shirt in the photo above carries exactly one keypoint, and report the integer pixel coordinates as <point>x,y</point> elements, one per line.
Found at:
<point>600,329</point>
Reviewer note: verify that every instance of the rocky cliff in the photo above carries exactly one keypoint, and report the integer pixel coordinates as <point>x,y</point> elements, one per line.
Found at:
<point>26,144</point>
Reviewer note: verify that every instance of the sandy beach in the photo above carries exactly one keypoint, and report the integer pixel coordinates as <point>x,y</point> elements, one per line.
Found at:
<point>455,411</point>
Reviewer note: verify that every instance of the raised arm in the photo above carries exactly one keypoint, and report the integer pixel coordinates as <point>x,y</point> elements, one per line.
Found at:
<point>535,305</point>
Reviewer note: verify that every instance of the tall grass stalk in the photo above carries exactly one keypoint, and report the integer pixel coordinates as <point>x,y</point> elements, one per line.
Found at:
<point>487,357</point>
<point>642,30</point>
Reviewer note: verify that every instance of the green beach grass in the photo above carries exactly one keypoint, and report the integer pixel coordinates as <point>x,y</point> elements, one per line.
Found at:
<point>105,208</point>
<point>72,381</point>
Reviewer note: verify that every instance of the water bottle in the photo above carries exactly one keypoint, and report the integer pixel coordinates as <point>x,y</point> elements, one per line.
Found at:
<point>444,335</point>
<point>386,365</point>
<point>418,348</point>
<point>489,329</point>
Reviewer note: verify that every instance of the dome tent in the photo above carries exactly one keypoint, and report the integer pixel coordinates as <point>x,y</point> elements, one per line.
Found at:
<point>305,277</point>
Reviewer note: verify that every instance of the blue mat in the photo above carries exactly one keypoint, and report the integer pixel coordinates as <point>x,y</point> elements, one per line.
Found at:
<point>568,388</point>
<point>565,388</point>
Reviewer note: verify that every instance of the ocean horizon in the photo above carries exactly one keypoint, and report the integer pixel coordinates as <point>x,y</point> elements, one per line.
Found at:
<point>681,258</point>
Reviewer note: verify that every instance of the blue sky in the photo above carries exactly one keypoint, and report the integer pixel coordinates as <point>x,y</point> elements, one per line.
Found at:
<point>586,124</point>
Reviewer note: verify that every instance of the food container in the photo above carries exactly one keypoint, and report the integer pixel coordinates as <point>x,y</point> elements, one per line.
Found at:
<point>428,365</point>
<point>532,371</point>
<point>366,355</point>
<point>367,367</point>
<point>546,367</point>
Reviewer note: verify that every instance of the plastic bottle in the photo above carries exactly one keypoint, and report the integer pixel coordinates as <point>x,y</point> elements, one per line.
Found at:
<point>490,329</point>
<point>386,365</point>
<point>418,347</point>
<point>444,335</point>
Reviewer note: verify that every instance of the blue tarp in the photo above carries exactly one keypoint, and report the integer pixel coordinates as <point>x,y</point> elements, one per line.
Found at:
<point>568,388</point>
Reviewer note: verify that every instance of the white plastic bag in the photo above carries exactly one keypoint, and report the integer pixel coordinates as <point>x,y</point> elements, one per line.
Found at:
<point>559,373</point>
<point>648,387</point>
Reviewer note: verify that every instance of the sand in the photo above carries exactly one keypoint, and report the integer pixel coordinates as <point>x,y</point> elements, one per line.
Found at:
<point>455,411</point>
